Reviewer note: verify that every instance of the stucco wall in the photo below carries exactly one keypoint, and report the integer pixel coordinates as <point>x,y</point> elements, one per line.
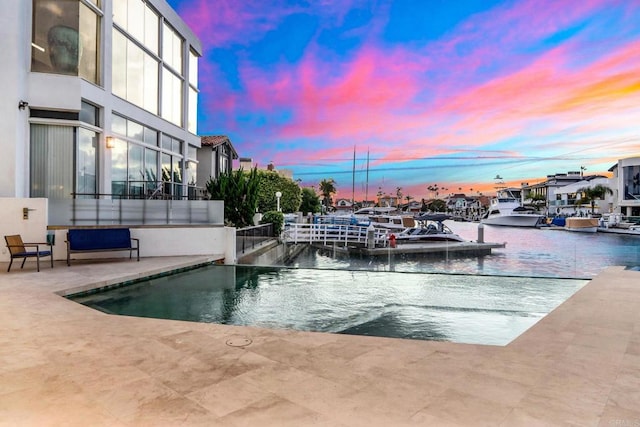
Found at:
<point>33,229</point>
<point>154,241</point>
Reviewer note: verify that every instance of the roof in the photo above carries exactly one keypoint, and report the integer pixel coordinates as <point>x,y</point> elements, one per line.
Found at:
<point>217,140</point>
<point>586,183</point>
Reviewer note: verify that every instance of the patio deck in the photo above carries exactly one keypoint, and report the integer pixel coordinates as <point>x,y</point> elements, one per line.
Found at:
<point>64,364</point>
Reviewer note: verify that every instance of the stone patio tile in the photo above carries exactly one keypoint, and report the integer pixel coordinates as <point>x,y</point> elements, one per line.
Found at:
<point>216,397</point>
<point>275,411</point>
<point>466,409</point>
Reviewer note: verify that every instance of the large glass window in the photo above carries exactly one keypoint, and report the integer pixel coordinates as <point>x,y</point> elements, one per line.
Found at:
<point>86,172</point>
<point>192,122</point>
<point>135,168</point>
<point>171,97</point>
<point>136,176</point>
<point>119,168</point>
<point>134,74</point>
<point>139,20</point>
<point>89,114</point>
<point>52,161</point>
<point>151,169</point>
<point>172,48</point>
<point>65,38</point>
<point>631,181</point>
<point>193,69</point>
<point>63,162</point>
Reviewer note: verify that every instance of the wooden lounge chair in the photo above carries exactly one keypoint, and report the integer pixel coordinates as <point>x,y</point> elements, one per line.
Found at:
<point>17,249</point>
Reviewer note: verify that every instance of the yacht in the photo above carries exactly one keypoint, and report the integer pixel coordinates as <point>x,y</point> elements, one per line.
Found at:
<point>505,209</point>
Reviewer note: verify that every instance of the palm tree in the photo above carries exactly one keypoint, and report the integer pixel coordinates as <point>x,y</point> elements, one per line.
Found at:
<point>591,194</point>
<point>327,188</point>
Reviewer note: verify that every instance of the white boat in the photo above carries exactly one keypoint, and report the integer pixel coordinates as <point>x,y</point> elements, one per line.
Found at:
<point>585,225</point>
<point>390,222</point>
<point>506,210</point>
<point>429,228</point>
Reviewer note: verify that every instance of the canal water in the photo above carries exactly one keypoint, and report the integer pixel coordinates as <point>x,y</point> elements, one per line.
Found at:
<point>529,252</point>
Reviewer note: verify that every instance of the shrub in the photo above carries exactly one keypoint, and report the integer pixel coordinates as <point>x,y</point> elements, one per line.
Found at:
<point>276,218</point>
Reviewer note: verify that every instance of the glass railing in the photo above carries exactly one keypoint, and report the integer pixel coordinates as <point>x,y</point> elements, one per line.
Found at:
<point>75,212</point>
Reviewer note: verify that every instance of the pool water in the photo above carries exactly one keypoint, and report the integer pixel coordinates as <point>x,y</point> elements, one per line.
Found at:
<point>458,308</point>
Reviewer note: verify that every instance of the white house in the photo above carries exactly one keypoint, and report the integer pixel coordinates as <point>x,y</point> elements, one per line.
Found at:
<point>626,176</point>
<point>99,105</point>
<point>568,196</point>
<point>98,97</point>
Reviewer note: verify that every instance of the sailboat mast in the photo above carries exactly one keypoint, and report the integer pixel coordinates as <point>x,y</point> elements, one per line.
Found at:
<point>366,188</point>
<point>353,180</point>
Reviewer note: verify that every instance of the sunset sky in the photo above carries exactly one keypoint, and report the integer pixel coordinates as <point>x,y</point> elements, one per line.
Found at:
<point>440,92</point>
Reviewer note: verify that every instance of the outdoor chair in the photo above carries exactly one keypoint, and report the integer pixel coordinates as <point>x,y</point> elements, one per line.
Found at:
<point>18,249</point>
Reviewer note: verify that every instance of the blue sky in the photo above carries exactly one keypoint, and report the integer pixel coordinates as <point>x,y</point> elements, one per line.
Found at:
<point>432,92</point>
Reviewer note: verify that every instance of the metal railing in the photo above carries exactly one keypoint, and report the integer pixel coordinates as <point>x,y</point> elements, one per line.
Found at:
<point>332,233</point>
<point>152,190</point>
<point>249,238</point>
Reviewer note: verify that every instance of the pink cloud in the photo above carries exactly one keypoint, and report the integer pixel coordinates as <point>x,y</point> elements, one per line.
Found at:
<point>403,105</point>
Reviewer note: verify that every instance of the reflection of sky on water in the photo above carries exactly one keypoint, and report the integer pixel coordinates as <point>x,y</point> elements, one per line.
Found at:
<point>528,252</point>
<point>470,309</point>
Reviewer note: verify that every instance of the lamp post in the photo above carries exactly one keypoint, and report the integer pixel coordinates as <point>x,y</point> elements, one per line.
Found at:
<point>278,195</point>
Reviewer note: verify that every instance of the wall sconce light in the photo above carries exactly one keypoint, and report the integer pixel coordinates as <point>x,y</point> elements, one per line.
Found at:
<point>110,142</point>
<point>22,105</point>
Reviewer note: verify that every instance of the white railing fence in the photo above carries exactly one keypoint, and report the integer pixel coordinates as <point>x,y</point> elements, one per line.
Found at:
<point>332,233</point>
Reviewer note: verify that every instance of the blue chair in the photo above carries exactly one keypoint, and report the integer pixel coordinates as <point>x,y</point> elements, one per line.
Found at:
<point>18,249</point>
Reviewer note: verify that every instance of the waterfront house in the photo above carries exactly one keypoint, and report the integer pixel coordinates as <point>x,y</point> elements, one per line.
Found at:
<point>110,86</point>
<point>568,198</point>
<point>546,191</point>
<point>99,106</point>
<point>626,179</point>
<point>215,157</point>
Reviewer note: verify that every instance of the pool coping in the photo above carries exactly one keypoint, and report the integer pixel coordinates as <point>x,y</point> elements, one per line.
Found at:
<point>578,365</point>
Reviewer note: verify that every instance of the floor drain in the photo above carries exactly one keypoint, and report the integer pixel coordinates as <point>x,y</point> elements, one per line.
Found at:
<point>238,342</point>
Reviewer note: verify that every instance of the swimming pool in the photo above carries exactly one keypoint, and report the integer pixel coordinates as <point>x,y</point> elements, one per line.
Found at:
<point>458,308</point>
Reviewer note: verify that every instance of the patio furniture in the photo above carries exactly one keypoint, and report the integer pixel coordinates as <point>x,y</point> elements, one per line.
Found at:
<point>18,249</point>
<point>101,240</point>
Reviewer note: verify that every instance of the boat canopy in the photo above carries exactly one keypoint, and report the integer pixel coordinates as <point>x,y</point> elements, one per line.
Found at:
<point>432,217</point>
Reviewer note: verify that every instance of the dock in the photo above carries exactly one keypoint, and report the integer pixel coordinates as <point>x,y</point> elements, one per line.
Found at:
<point>436,249</point>
<point>358,240</point>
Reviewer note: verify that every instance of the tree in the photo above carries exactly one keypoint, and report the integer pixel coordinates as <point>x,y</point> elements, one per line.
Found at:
<point>327,188</point>
<point>591,194</point>
<point>437,205</point>
<point>270,182</point>
<point>538,200</point>
<point>239,191</point>
<point>310,201</point>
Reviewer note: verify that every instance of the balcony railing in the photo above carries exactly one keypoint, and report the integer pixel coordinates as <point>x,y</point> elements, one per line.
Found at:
<point>153,190</point>
<point>110,211</point>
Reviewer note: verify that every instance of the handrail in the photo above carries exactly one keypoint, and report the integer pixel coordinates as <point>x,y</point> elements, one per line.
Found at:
<point>250,237</point>
<point>332,233</point>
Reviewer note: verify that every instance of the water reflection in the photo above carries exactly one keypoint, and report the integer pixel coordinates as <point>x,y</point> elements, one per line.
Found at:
<point>528,252</point>
<point>470,309</point>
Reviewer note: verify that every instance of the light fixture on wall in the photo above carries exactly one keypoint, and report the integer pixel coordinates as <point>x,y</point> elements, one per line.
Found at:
<point>22,105</point>
<point>110,142</point>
